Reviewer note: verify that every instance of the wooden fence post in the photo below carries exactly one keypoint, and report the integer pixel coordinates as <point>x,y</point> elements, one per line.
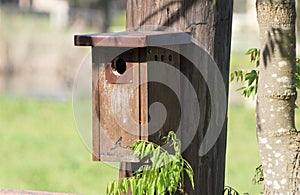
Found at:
<point>209,22</point>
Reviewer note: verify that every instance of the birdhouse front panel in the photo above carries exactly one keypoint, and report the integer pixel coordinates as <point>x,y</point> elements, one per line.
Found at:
<point>128,72</point>
<point>117,106</point>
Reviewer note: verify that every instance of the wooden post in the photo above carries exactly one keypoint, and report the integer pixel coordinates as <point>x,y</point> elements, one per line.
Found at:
<point>210,24</point>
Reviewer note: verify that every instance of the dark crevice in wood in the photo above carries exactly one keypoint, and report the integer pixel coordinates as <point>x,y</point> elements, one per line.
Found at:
<point>196,24</point>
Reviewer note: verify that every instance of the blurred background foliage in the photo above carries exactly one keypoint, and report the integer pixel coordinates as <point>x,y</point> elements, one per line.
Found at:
<point>39,145</point>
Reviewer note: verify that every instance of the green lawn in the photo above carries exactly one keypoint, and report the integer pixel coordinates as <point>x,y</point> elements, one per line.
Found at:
<point>41,149</point>
<point>242,150</point>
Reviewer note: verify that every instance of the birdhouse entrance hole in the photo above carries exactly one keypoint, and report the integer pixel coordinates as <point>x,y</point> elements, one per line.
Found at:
<point>118,66</point>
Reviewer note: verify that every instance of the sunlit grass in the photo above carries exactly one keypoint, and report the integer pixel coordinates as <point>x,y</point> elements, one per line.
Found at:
<point>242,150</point>
<point>41,150</point>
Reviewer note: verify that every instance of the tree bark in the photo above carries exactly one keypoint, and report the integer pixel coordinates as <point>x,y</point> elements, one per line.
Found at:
<point>279,141</point>
<point>298,18</point>
<point>210,24</point>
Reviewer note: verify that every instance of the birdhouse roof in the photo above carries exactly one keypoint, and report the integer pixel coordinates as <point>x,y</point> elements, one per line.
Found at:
<point>133,39</point>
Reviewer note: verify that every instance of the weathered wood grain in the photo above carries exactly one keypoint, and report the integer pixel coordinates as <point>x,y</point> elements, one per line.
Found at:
<point>95,101</point>
<point>118,115</point>
<point>161,60</point>
<point>210,25</point>
<point>132,39</point>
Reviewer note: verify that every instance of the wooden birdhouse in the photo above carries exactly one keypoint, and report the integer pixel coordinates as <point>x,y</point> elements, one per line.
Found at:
<point>124,86</point>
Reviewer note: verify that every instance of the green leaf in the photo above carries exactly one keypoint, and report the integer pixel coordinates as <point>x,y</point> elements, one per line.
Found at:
<point>163,174</point>
<point>115,187</point>
<point>254,55</point>
<point>149,149</point>
<point>297,80</point>
<point>155,155</point>
<point>160,184</point>
<point>137,148</point>
<point>241,88</point>
<point>251,77</point>
<point>143,150</point>
<point>159,162</point>
<point>133,187</point>
<point>231,77</point>
<point>238,75</point>
<point>190,174</point>
<point>109,188</point>
<point>140,186</point>
<point>230,191</point>
<point>151,189</point>
<point>251,50</point>
<point>125,184</point>
<point>259,175</point>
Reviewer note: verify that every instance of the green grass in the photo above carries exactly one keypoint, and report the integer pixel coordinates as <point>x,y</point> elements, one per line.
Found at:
<point>242,150</point>
<point>41,150</point>
<point>239,60</point>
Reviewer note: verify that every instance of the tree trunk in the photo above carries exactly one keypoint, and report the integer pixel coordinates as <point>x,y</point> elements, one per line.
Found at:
<point>210,24</point>
<point>298,19</point>
<point>279,141</point>
<point>105,6</point>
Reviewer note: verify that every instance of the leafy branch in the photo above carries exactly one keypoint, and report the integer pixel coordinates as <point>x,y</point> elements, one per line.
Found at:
<point>164,172</point>
<point>251,77</point>
<point>297,76</point>
<point>259,175</point>
<point>231,191</point>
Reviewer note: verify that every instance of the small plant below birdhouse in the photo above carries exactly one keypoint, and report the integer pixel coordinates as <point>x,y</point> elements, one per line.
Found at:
<point>161,173</point>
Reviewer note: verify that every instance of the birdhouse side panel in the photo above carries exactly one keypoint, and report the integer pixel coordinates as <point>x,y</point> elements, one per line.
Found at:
<point>163,72</point>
